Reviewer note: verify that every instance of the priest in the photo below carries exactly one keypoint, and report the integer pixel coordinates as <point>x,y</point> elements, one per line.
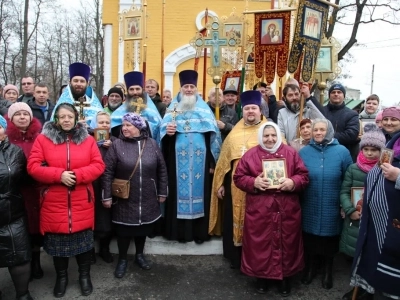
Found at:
<point>226,199</point>
<point>80,94</point>
<point>191,142</point>
<point>137,101</point>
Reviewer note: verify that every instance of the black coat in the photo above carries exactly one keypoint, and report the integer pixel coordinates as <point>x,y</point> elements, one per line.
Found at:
<point>161,107</point>
<point>228,116</point>
<point>14,240</point>
<point>4,105</point>
<point>38,113</point>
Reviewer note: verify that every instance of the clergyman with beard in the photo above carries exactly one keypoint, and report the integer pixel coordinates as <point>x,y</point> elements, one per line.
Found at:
<point>139,102</point>
<point>78,87</point>
<point>288,117</point>
<point>191,144</point>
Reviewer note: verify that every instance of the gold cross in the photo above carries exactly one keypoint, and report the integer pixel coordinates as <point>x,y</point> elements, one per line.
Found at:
<point>139,105</point>
<point>81,104</point>
<point>174,112</point>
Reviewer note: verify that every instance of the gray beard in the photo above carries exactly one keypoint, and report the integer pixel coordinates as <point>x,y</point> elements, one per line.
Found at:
<point>187,102</point>
<point>114,106</point>
<point>295,106</point>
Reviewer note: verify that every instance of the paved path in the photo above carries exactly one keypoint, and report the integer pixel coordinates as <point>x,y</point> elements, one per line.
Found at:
<point>175,277</point>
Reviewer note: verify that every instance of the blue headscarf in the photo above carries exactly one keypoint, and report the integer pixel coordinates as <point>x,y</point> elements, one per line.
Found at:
<point>3,123</point>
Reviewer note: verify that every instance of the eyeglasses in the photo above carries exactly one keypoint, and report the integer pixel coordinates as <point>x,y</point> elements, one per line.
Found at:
<point>27,83</point>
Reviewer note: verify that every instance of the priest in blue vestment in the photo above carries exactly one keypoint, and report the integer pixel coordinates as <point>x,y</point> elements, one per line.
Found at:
<point>191,142</point>
<point>77,89</point>
<point>139,102</point>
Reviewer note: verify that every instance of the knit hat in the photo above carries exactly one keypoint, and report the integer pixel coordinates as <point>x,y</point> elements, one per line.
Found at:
<point>337,86</point>
<point>372,137</point>
<point>3,123</point>
<point>393,112</point>
<point>135,120</point>
<point>10,87</point>
<point>379,116</point>
<point>17,106</point>
<point>115,90</point>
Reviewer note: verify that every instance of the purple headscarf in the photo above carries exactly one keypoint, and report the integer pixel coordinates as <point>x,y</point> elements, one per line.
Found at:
<point>135,120</point>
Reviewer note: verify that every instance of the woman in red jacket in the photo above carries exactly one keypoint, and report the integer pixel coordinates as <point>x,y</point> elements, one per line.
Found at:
<point>67,160</point>
<point>22,130</point>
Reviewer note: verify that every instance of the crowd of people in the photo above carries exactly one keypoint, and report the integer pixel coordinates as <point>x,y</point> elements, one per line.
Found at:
<point>279,180</point>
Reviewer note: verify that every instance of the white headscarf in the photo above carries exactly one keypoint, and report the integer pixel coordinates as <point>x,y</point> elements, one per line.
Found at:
<point>278,137</point>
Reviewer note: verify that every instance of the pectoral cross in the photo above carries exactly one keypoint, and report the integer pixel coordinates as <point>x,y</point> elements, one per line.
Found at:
<point>174,112</point>
<point>139,104</point>
<point>81,104</point>
<point>244,149</point>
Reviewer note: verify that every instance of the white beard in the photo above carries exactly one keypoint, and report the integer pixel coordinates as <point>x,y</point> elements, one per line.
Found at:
<point>187,102</point>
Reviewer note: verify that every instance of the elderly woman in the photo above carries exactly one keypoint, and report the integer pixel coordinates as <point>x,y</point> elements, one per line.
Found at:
<point>391,122</point>
<point>15,249</point>
<point>10,93</point>
<point>22,130</point>
<point>145,168</point>
<point>376,264</point>
<point>327,162</point>
<point>272,239</point>
<point>305,135</point>
<point>67,160</point>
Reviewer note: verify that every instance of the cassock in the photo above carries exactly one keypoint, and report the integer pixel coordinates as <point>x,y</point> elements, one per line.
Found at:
<point>227,214</point>
<point>89,112</point>
<point>149,113</point>
<point>189,155</point>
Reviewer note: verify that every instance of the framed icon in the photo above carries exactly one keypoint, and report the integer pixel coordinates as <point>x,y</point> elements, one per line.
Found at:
<point>357,196</point>
<point>101,135</point>
<point>386,156</point>
<point>133,28</point>
<point>274,170</point>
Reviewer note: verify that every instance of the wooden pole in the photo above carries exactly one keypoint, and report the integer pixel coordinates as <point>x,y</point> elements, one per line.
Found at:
<point>162,81</point>
<point>355,291</point>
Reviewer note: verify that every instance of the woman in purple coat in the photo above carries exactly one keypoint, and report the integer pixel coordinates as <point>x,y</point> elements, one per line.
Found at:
<point>272,238</point>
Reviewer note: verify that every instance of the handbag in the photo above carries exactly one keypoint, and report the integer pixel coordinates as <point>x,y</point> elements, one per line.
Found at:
<point>120,187</point>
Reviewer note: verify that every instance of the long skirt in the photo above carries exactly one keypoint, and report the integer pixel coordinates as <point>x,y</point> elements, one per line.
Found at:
<point>67,245</point>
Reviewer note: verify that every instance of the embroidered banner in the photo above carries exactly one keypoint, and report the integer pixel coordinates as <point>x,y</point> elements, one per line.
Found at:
<point>272,34</point>
<point>310,24</point>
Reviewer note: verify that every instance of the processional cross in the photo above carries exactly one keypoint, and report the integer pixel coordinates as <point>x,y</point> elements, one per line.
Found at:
<point>174,112</point>
<point>81,103</point>
<point>139,104</point>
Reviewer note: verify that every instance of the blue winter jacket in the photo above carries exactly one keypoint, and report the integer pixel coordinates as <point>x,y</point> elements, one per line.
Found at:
<point>326,165</point>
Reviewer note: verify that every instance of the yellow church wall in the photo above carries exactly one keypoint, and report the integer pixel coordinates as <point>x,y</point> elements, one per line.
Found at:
<point>179,28</point>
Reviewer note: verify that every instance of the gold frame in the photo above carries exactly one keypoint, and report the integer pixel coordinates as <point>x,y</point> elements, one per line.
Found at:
<point>128,37</point>
<point>355,198</point>
<point>386,156</point>
<point>274,165</point>
<point>105,135</point>
<point>325,61</point>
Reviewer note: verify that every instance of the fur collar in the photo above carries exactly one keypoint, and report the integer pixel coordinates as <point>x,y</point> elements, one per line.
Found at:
<point>15,134</point>
<point>53,133</point>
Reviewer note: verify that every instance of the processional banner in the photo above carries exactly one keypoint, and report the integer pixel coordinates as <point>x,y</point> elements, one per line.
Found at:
<point>310,25</point>
<point>272,34</point>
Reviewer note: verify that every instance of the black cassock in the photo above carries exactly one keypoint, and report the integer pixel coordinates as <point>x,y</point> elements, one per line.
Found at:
<point>181,229</point>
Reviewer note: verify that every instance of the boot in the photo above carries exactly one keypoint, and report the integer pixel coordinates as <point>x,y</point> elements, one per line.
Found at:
<point>36,269</point>
<point>61,266</point>
<point>120,269</point>
<point>327,280</point>
<point>284,287</point>
<point>27,296</point>
<point>85,281</point>
<point>261,285</point>
<point>93,256</point>
<point>104,252</point>
<point>309,270</point>
<point>142,262</point>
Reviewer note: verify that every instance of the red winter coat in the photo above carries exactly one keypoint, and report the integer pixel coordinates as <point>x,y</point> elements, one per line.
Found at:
<point>65,210</point>
<point>272,236</point>
<point>30,189</point>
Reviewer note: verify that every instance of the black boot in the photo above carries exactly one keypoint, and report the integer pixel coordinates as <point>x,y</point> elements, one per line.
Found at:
<point>142,262</point>
<point>93,256</point>
<point>27,296</point>
<point>84,261</point>
<point>61,266</point>
<point>327,280</point>
<point>120,269</point>
<point>261,285</point>
<point>309,270</point>
<point>284,287</point>
<point>104,252</point>
<point>36,269</point>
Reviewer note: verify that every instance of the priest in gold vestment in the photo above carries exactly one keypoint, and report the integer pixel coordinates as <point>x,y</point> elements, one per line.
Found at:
<point>227,201</point>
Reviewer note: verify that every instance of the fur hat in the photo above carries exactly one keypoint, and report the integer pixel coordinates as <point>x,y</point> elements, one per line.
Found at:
<point>3,123</point>
<point>372,137</point>
<point>10,87</point>
<point>337,86</point>
<point>17,106</point>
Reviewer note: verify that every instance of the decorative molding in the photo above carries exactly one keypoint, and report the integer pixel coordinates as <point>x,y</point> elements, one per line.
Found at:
<point>200,17</point>
<point>178,56</point>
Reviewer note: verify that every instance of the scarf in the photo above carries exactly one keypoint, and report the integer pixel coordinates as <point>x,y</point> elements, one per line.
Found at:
<point>365,164</point>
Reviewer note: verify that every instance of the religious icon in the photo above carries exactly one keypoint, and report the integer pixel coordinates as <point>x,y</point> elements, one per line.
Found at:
<point>275,171</point>
<point>357,196</point>
<point>232,83</point>
<point>324,60</point>
<point>271,31</point>
<point>233,29</point>
<point>312,23</point>
<point>101,135</point>
<point>386,156</point>
<point>231,80</point>
<point>133,28</point>
<point>250,53</point>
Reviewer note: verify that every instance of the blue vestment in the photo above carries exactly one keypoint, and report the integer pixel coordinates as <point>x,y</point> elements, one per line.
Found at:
<point>190,155</point>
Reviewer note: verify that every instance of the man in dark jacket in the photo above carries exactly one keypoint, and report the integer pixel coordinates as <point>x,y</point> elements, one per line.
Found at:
<point>227,116</point>
<point>344,120</point>
<point>151,88</point>
<point>28,85</point>
<point>41,106</point>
